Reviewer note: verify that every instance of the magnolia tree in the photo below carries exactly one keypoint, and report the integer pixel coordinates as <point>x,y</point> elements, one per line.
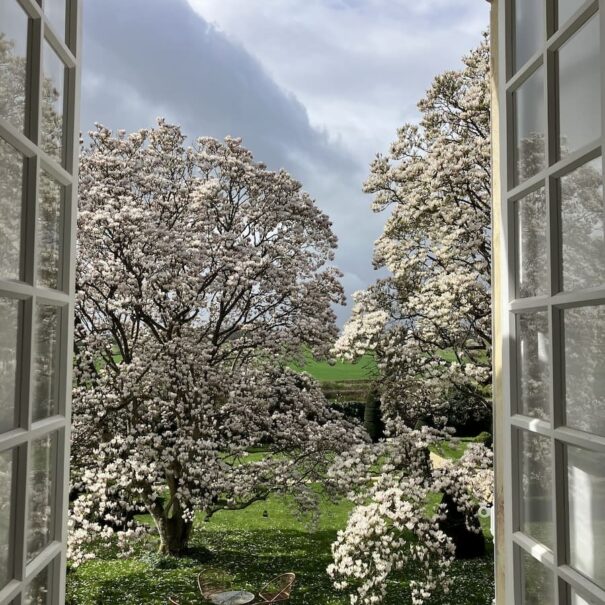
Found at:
<point>428,325</point>
<point>199,272</point>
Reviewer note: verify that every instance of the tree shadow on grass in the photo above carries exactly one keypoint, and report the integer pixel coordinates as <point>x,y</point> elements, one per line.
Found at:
<point>250,558</point>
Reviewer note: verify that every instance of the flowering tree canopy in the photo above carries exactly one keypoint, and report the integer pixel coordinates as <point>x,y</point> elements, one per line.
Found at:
<point>429,322</point>
<point>428,325</point>
<point>199,273</point>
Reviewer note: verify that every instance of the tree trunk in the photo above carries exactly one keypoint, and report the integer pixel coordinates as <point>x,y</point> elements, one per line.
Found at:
<point>372,418</point>
<point>469,544</point>
<point>174,531</point>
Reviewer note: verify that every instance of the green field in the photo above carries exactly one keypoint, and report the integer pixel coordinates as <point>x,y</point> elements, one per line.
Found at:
<point>251,547</point>
<point>341,371</point>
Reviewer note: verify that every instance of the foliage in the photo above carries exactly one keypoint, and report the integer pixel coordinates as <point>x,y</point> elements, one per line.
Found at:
<point>198,271</point>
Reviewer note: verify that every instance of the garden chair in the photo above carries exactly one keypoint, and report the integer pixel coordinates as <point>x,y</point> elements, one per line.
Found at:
<point>277,590</point>
<point>210,587</point>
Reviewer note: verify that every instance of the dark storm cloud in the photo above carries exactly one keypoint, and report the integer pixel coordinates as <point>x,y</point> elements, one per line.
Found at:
<point>149,58</point>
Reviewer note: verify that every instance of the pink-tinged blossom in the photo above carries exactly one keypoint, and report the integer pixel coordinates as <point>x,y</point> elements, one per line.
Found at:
<point>429,327</point>
<point>199,273</point>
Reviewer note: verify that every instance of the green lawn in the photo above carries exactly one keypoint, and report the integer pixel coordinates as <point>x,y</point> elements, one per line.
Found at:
<point>363,369</point>
<point>251,548</point>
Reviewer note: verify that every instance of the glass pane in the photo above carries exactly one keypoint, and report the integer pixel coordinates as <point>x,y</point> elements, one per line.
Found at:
<point>6,490</point>
<point>9,347</point>
<point>13,62</point>
<point>52,103</point>
<point>580,89</point>
<point>11,196</point>
<point>582,230</point>
<point>40,494</point>
<point>533,364</point>
<point>536,582</point>
<point>529,29</point>
<point>37,592</point>
<point>529,116</point>
<point>576,599</point>
<point>566,8</point>
<point>531,245</point>
<point>55,10</point>
<point>586,505</point>
<point>584,357</point>
<point>46,389</point>
<point>49,232</point>
<point>535,489</point>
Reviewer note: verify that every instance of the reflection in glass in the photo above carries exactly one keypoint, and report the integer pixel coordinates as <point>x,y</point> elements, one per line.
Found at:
<point>529,119</point>
<point>584,357</point>
<point>576,599</point>
<point>40,494</point>
<point>11,196</point>
<point>582,229</point>
<point>49,231</point>
<point>586,505</point>
<point>531,245</point>
<point>536,582</point>
<point>6,489</point>
<point>46,388</point>
<point>13,62</point>
<point>9,348</point>
<point>580,89</point>
<point>566,8</point>
<point>535,489</point>
<point>533,364</point>
<point>529,29</point>
<point>55,11</point>
<point>37,592</point>
<point>53,84</point>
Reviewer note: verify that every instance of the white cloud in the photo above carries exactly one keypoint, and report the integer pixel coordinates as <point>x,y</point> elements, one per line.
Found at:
<point>358,66</point>
<point>314,86</point>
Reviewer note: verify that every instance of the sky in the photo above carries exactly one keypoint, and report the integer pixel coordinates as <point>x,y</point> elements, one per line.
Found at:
<point>316,87</point>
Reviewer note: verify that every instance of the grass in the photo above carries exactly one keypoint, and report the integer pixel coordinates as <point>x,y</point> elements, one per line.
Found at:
<point>341,371</point>
<point>251,546</point>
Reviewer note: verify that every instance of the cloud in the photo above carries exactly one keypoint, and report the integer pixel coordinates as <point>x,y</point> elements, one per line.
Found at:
<point>313,86</point>
<point>359,66</point>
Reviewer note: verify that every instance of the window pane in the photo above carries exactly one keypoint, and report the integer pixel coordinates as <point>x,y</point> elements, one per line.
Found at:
<point>11,196</point>
<point>37,592</point>
<point>52,104</point>
<point>533,364</point>
<point>13,62</point>
<point>536,582</point>
<point>9,348</point>
<point>576,599</point>
<point>566,8</point>
<point>535,488</point>
<point>40,494</point>
<point>582,230</point>
<point>55,10</point>
<point>46,391</point>
<point>529,29</point>
<point>531,245</point>
<point>586,504</point>
<point>584,356</point>
<point>6,491</point>
<point>529,117</point>
<point>580,89</point>
<point>49,232</point>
